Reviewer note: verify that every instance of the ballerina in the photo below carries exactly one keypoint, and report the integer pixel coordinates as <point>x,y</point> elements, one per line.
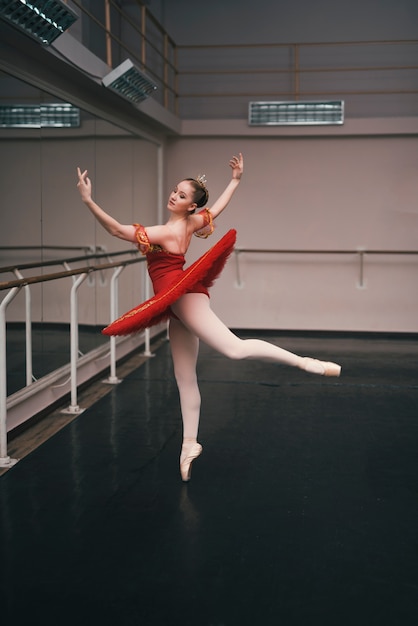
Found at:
<point>182,296</point>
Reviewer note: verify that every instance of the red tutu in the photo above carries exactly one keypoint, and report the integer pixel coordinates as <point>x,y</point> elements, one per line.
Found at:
<point>202,273</point>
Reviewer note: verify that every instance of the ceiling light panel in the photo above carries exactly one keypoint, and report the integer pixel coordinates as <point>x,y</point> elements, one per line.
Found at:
<point>289,113</point>
<point>129,82</point>
<point>39,116</point>
<point>44,20</point>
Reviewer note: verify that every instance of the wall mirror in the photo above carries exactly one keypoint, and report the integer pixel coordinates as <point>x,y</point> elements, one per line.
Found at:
<point>43,219</point>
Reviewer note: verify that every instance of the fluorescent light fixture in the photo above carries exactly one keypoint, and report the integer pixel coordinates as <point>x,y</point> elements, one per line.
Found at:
<point>39,116</point>
<point>44,20</point>
<point>129,82</point>
<point>289,113</point>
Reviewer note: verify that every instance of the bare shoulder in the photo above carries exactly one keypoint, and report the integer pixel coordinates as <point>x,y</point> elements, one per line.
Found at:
<point>198,220</point>
<point>157,234</point>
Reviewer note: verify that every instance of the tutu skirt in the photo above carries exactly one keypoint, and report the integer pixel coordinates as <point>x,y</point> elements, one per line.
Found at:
<point>202,273</point>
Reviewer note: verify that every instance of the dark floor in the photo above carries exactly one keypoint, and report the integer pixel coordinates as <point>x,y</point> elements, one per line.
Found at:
<point>302,510</point>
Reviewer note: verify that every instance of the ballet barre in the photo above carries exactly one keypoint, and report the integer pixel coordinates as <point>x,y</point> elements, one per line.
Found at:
<point>78,276</point>
<point>361,253</point>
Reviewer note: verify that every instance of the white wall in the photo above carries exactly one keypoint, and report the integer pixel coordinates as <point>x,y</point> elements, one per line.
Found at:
<point>316,194</point>
<point>338,192</point>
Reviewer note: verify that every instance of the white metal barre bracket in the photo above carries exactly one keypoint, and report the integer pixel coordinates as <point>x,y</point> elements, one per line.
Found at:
<point>74,409</point>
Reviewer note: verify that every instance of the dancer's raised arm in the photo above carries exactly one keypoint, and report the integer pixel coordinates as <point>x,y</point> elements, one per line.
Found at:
<point>237,166</point>
<point>113,227</point>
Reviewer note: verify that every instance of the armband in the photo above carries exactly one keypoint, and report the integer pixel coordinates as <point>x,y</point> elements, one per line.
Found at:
<point>208,225</point>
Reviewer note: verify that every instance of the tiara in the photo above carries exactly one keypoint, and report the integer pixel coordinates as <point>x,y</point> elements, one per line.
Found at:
<point>201,179</point>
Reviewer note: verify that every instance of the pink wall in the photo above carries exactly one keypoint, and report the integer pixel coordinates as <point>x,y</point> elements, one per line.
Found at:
<point>317,193</point>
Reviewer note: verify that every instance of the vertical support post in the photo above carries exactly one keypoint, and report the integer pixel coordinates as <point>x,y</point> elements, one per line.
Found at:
<point>296,71</point>
<point>147,348</point>
<point>28,334</point>
<point>108,37</point>
<point>114,298</point>
<point>143,31</point>
<point>5,460</point>
<point>176,83</point>
<point>238,283</point>
<point>28,331</point>
<point>361,283</point>
<point>166,71</point>
<point>74,409</point>
<point>160,184</point>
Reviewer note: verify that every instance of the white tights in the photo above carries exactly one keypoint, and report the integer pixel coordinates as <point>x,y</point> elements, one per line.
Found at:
<point>196,320</point>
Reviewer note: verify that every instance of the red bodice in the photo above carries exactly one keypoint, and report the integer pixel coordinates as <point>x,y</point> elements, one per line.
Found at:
<point>165,269</point>
<point>171,281</point>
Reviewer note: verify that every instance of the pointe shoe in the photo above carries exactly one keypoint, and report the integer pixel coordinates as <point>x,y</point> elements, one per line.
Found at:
<point>323,368</point>
<point>190,452</point>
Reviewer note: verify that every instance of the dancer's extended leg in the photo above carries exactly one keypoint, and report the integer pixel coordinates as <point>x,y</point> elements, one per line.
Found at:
<point>193,309</point>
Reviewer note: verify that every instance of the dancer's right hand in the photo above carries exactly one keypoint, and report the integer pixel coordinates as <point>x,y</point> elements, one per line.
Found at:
<point>84,185</point>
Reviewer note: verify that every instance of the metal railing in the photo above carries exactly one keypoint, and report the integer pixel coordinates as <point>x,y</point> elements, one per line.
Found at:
<point>289,71</point>
<point>373,78</point>
<point>78,275</point>
<point>137,34</point>
<point>360,253</point>
<point>293,62</point>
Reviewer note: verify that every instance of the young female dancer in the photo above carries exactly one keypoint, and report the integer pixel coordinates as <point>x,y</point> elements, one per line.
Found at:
<point>182,295</point>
